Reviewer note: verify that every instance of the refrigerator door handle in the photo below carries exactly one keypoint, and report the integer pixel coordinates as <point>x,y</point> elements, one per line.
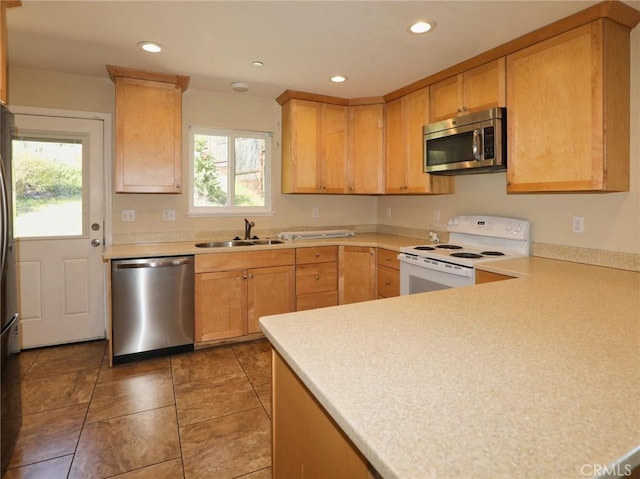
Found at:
<point>4,216</point>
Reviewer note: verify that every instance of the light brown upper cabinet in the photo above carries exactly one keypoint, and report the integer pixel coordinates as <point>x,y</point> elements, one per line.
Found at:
<point>4,4</point>
<point>568,112</point>
<point>148,152</point>
<point>476,89</point>
<point>314,147</point>
<point>404,119</point>
<point>331,148</point>
<point>366,149</point>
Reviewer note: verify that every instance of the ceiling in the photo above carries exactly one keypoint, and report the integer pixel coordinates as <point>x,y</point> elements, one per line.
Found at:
<point>302,43</point>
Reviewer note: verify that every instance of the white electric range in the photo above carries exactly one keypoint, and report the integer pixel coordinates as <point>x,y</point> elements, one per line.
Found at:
<point>472,240</point>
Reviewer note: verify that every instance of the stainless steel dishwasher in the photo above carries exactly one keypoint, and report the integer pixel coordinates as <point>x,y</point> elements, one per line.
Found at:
<point>152,307</point>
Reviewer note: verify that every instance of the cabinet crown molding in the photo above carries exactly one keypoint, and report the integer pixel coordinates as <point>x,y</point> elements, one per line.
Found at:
<point>115,72</point>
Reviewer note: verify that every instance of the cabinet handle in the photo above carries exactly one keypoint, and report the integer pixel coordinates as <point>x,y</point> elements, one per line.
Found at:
<point>317,277</point>
<point>387,283</point>
<point>250,276</point>
<point>387,258</point>
<point>317,255</point>
<point>244,276</point>
<point>371,253</point>
<point>351,188</point>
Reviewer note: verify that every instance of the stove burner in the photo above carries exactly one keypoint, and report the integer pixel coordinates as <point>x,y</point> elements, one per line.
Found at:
<point>424,248</point>
<point>449,246</point>
<point>493,253</point>
<point>466,255</point>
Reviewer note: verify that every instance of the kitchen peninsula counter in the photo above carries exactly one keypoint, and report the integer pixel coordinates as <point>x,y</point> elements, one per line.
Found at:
<point>536,376</point>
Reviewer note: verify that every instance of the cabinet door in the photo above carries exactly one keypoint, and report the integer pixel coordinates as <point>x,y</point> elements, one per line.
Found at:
<point>333,165</point>
<point>270,291</point>
<point>415,116</point>
<point>395,165</point>
<point>306,440</point>
<point>300,146</point>
<point>221,305</point>
<point>357,274</point>
<point>562,112</point>
<point>476,89</point>
<point>366,149</point>
<point>148,149</point>
<point>445,98</point>
<point>484,86</point>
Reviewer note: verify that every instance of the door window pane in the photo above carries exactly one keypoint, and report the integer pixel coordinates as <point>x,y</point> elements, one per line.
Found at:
<point>47,184</point>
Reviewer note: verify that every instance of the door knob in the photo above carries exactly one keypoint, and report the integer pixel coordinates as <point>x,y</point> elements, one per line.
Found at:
<point>95,243</point>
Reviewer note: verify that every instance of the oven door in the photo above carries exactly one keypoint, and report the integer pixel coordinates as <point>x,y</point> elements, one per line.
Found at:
<point>416,278</point>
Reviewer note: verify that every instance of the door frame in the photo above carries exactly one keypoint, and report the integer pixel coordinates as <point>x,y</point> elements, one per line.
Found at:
<point>107,151</point>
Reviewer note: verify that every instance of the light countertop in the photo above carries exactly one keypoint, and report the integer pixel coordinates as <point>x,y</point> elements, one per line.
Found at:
<point>532,377</point>
<point>146,250</point>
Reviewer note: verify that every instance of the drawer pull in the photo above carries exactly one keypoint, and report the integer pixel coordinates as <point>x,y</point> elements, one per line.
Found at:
<point>387,258</point>
<point>317,277</point>
<point>387,283</point>
<point>317,255</point>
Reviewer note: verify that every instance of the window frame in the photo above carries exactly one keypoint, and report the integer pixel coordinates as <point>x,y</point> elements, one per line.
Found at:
<point>231,210</point>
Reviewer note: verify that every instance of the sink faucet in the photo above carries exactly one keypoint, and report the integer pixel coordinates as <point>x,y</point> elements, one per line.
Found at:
<point>247,228</point>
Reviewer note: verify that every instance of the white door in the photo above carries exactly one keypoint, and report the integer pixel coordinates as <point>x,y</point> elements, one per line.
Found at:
<point>59,209</point>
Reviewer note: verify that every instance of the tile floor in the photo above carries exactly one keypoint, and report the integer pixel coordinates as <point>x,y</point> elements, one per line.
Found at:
<point>204,414</point>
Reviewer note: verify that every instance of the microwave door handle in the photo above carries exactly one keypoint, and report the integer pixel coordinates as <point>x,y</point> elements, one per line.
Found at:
<point>476,146</point>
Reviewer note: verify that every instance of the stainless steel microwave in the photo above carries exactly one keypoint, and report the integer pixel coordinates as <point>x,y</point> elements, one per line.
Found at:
<point>473,143</point>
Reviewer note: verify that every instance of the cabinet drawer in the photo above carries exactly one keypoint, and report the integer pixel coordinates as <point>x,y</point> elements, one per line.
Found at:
<point>320,254</point>
<point>388,282</point>
<point>389,258</point>
<point>316,278</point>
<point>316,300</point>
<point>234,260</point>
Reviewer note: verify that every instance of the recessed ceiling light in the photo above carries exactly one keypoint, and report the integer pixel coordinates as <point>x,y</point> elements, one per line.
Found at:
<point>338,78</point>
<point>257,64</point>
<point>421,27</point>
<point>151,47</point>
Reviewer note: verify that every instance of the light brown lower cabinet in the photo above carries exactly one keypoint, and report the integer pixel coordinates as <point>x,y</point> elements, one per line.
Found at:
<point>316,277</point>
<point>231,295</point>
<point>489,277</point>
<point>388,273</point>
<point>307,443</point>
<point>356,274</point>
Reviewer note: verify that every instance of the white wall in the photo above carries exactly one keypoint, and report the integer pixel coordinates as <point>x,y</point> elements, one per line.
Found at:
<point>200,108</point>
<point>612,220</point>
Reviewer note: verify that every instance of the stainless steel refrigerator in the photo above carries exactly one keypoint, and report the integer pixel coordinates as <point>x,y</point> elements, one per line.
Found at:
<point>10,396</point>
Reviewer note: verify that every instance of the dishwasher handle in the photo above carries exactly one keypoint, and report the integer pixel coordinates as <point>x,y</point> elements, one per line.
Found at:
<point>153,263</point>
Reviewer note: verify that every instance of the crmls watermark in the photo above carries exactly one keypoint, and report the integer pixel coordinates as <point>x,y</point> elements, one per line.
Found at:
<point>602,470</point>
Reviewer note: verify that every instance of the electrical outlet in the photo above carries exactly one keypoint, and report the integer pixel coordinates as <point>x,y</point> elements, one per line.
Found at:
<point>577,224</point>
<point>315,212</point>
<point>128,216</point>
<point>168,215</point>
<point>388,212</point>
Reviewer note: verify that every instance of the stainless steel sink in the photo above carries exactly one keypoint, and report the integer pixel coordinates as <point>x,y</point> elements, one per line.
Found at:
<point>234,243</point>
<point>267,241</point>
<point>224,244</point>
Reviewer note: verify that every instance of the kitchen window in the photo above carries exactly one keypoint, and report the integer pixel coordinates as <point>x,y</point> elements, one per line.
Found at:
<point>229,172</point>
